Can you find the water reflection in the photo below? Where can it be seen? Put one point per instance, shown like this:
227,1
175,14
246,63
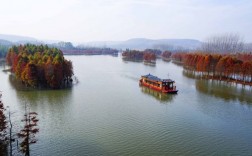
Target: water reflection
151,64
146,63
18,85
3,66
166,59
224,90
191,74
36,96
163,98
178,63
115,55
105,115
126,60
220,89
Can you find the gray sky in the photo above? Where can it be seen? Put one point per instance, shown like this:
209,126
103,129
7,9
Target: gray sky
98,20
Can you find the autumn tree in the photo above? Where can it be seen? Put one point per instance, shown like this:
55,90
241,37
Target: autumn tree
246,70
206,63
166,54
180,57
38,66
148,56
133,55
67,71
231,67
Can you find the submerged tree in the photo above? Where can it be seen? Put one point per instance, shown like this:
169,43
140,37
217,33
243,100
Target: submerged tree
27,134
231,67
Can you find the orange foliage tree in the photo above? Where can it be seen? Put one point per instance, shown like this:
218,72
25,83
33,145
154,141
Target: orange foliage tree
40,65
236,67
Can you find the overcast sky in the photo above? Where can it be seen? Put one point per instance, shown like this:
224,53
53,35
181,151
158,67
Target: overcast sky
98,20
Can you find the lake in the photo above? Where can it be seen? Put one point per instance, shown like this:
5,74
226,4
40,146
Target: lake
108,113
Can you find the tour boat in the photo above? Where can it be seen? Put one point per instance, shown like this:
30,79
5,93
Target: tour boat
162,85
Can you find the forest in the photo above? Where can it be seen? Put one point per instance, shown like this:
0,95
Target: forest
235,67
166,55
40,66
146,55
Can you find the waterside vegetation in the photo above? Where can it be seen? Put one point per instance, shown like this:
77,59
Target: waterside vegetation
148,55
40,66
227,67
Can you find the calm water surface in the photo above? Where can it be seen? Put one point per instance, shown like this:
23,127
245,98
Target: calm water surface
108,113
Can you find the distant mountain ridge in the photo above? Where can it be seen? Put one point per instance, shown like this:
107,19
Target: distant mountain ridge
16,38
5,42
134,43
143,43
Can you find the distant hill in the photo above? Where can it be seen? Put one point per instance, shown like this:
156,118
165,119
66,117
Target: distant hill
134,43
5,42
16,38
143,43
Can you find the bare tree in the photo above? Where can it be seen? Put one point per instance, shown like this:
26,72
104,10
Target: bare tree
11,135
27,134
7,136
3,127
226,43
248,47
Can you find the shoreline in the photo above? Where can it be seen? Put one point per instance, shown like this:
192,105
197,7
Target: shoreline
2,60
197,75
212,77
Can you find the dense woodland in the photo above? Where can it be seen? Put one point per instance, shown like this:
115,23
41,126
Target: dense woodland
166,55
40,66
147,55
132,55
231,67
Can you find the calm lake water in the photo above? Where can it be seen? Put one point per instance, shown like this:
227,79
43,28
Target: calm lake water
108,113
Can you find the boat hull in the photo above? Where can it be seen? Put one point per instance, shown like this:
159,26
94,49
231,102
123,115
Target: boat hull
170,91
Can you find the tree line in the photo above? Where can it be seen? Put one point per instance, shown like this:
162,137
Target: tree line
225,43
166,55
40,66
232,67
147,55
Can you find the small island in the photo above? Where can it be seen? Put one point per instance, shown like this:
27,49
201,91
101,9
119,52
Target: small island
148,56
40,66
166,55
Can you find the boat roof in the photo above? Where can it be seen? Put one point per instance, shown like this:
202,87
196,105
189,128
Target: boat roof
155,78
